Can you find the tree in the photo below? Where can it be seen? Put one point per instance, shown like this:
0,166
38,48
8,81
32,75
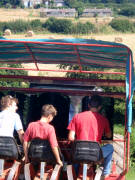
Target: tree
78,5
127,11
51,3
13,83
11,2
122,25
58,25
70,3
80,11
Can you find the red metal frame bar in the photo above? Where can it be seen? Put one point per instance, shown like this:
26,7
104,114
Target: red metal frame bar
73,92
75,71
78,58
98,82
119,140
61,43
125,137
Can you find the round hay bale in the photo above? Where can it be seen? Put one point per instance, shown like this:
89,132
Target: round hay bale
51,37
29,34
7,32
118,39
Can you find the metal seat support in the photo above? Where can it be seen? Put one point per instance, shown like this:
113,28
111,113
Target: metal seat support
56,172
42,170
1,166
27,172
69,172
13,170
84,171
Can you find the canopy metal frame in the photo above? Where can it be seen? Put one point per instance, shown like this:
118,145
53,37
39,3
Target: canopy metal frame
73,52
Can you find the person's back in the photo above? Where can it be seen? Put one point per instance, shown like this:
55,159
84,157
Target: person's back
9,119
7,123
43,130
90,125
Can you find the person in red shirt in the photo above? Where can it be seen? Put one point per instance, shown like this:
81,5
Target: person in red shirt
91,125
43,130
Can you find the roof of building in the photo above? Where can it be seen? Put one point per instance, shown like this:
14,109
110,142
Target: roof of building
57,10
58,1
98,10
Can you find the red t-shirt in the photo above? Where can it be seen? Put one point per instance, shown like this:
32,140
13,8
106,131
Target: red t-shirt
89,126
41,130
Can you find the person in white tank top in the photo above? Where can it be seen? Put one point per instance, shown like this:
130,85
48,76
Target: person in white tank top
9,119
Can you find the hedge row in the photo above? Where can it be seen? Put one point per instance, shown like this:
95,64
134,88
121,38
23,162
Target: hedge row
66,26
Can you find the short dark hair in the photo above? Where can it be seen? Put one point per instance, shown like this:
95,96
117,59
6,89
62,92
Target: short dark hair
95,101
48,109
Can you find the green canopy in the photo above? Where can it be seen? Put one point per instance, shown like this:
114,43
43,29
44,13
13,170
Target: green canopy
66,51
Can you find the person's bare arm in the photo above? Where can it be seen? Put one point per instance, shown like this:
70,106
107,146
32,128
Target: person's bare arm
108,135
21,134
71,135
25,147
57,156
108,132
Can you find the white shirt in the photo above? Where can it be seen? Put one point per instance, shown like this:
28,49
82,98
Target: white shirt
9,121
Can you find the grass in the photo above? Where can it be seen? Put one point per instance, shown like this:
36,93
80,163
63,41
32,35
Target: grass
131,174
118,129
31,14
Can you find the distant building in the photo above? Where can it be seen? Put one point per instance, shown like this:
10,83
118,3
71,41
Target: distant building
59,3
57,12
31,3
97,12
45,12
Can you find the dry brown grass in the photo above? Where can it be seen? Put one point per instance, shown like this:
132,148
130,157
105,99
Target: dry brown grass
14,14
30,14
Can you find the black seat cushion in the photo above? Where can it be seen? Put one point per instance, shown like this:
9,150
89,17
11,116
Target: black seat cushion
8,148
86,152
40,150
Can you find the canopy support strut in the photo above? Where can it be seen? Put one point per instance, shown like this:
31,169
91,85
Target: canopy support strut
32,55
